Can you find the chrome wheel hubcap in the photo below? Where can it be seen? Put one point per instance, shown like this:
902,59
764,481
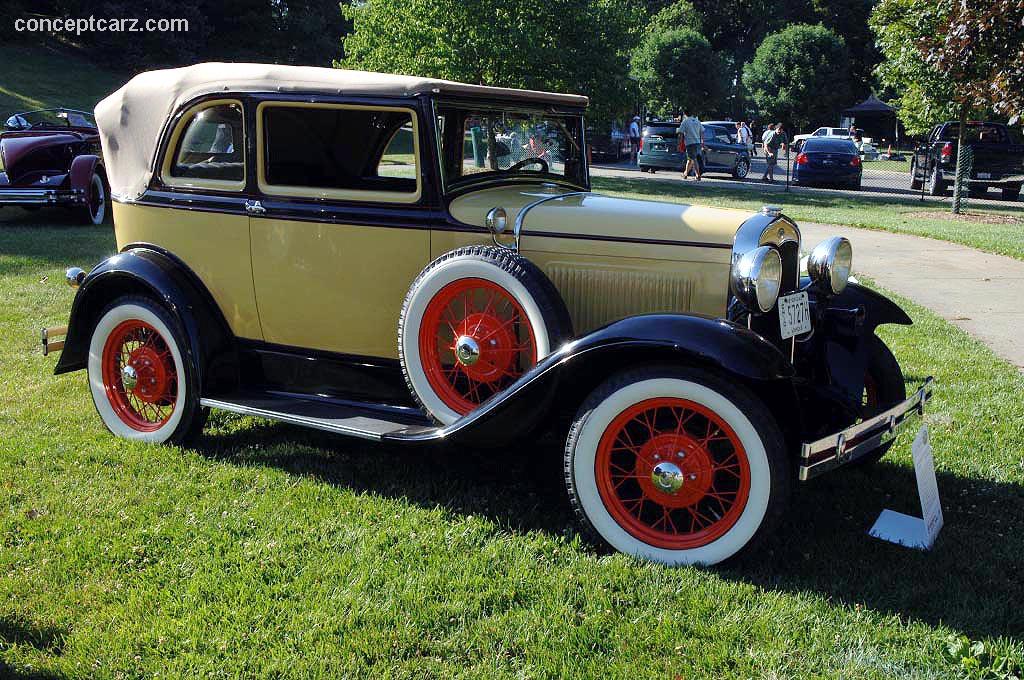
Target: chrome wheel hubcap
467,351
667,477
129,378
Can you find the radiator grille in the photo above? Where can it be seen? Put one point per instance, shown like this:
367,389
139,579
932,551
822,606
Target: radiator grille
596,296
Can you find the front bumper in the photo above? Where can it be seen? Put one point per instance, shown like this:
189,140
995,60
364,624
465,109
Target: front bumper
858,440
42,197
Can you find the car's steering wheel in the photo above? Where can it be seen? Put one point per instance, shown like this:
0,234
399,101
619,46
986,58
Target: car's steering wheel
530,161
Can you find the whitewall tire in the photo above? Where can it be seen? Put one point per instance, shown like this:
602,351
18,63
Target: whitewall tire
472,323
140,382
95,209
676,466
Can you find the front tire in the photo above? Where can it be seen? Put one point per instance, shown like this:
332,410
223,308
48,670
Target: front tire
936,186
142,386
677,466
742,169
884,387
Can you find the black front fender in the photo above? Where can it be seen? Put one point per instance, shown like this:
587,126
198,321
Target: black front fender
557,385
878,308
155,274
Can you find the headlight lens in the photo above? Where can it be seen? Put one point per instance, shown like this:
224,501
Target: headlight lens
757,278
829,264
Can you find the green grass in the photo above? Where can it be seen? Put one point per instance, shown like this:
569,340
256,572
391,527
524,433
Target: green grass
40,77
271,551
889,214
888,166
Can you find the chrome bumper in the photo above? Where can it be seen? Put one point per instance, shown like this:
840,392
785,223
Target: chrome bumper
41,196
837,449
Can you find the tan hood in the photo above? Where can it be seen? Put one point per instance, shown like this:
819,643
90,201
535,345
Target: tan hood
595,216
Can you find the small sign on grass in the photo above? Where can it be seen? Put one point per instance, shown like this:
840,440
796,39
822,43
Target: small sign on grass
915,532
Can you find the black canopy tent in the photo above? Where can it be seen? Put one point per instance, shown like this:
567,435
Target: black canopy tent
877,119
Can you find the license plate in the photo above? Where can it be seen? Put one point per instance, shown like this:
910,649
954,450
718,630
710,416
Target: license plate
794,315
984,175
658,147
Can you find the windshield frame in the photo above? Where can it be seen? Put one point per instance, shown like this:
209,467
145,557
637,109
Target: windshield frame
462,184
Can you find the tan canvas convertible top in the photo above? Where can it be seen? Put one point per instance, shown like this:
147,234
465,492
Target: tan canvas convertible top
130,119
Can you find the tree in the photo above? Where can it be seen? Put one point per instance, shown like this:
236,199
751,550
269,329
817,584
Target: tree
925,95
954,58
800,75
561,45
677,69
680,14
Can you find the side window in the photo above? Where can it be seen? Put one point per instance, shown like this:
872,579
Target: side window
347,152
209,148
820,132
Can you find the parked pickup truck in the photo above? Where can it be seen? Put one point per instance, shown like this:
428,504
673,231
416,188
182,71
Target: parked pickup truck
998,162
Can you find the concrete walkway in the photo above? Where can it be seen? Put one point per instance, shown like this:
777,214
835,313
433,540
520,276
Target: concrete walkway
981,293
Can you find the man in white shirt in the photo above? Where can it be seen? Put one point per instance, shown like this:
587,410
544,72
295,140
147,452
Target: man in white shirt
691,140
634,137
745,137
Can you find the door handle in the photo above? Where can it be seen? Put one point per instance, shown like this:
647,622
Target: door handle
255,208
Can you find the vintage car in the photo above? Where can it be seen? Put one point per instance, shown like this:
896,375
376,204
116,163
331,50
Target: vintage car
332,249
52,157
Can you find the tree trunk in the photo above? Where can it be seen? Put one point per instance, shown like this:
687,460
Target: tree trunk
961,163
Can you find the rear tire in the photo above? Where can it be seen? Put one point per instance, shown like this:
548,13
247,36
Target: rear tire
677,466
936,186
915,182
142,386
94,212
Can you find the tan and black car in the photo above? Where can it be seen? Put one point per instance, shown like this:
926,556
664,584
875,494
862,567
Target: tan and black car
421,261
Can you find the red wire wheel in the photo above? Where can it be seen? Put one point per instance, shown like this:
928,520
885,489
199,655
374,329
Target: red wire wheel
474,341
672,473
139,375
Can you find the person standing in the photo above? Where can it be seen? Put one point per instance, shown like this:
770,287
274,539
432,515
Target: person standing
768,145
634,138
691,139
745,137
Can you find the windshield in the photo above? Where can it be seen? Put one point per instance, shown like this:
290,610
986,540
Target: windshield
51,118
481,144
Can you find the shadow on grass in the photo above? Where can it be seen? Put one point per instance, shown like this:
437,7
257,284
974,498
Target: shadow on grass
970,582
46,241
18,632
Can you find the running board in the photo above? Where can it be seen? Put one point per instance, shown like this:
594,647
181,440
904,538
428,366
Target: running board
352,420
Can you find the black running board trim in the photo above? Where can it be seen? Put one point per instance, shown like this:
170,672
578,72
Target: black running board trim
348,421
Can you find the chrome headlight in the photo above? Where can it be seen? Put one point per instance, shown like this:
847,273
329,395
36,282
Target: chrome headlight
757,278
829,264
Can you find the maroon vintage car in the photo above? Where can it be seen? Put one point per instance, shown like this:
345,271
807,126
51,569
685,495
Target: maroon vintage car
52,157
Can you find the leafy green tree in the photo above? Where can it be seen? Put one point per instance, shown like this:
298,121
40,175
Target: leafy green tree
562,45
677,69
680,14
800,75
925,95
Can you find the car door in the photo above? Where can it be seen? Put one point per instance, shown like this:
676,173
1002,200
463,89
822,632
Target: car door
718,154
342,227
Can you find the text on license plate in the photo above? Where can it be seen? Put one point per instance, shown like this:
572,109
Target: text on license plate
984,175
794,315
659,147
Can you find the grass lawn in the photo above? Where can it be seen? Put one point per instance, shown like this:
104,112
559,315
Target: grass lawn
995,230
40,77
888,166
271,551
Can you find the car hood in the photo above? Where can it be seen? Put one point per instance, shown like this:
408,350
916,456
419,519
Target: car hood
590,215
25,152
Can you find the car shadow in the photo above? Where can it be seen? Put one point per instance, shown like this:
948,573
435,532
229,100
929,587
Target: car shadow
970,581
15,631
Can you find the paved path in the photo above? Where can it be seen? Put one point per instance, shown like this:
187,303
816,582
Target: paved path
981,293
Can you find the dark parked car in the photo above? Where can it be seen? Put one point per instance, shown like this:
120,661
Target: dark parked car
828,161
660,150
52,158
997,162
608,144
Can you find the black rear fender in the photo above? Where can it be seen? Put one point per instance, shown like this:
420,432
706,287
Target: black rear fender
158,275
